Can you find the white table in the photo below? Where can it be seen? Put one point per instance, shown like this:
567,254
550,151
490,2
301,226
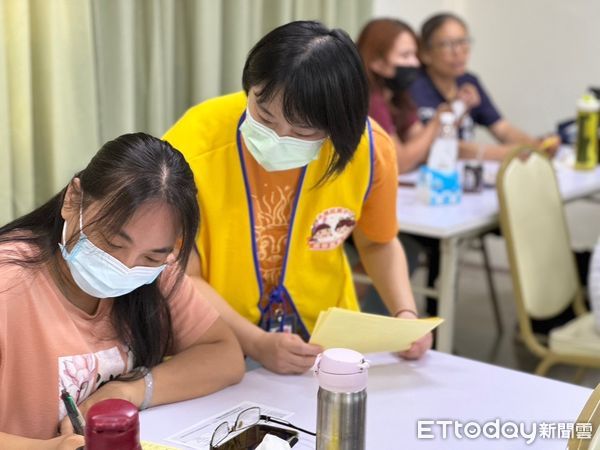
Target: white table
438,387
477,213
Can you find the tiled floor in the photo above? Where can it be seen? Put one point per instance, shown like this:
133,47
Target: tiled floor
476,336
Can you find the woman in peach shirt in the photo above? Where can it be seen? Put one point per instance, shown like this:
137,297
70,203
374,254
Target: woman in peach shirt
93,297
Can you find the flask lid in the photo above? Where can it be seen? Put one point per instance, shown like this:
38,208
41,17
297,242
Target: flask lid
342,370
111,424
342,361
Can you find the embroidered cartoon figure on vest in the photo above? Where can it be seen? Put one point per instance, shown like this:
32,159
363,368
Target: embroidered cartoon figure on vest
331,228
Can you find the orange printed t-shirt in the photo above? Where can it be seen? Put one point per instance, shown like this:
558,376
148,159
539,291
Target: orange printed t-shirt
47,343
273,194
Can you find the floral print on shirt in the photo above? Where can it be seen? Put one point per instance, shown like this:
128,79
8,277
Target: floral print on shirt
81,375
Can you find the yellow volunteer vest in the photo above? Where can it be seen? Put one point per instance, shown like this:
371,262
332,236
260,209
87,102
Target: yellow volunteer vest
316,274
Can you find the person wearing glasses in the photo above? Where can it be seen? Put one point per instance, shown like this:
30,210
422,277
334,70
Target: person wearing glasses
445,50
286,170
444,53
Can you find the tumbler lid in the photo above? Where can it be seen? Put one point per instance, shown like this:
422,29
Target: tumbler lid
342,370
342,361
112,424
112,415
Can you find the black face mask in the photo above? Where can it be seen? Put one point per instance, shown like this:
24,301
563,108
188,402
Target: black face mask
403,78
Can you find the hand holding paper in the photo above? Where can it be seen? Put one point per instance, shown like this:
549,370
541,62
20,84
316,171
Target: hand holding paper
368,333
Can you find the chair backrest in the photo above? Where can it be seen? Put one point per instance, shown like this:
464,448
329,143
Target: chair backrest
532,219
585,431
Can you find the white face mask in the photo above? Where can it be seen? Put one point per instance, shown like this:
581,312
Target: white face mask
277,153
99,274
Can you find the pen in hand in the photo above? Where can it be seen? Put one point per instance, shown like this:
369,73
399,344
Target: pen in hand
73,412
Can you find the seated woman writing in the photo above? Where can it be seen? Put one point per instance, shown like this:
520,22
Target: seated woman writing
93,296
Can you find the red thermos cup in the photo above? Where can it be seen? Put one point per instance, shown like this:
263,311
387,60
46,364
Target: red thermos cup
112,424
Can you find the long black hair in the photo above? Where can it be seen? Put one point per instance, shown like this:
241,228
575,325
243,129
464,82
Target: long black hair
125,173
321,79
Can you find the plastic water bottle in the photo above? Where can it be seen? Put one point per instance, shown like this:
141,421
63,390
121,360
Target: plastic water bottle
439,180
458,108
444,151
586,150
342,399
112,424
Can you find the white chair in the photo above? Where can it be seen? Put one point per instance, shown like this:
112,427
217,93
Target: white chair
542,265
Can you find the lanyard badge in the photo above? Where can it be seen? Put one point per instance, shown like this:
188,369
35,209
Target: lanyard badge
279,315
278,321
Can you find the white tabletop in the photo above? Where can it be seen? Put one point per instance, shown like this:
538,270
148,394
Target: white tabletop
438,387
477,210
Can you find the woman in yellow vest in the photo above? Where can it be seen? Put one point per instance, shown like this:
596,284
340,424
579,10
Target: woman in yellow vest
286,170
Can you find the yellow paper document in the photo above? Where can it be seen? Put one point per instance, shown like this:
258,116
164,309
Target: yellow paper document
368,333
152,446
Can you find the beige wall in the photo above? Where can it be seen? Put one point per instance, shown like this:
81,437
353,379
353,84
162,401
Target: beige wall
535,57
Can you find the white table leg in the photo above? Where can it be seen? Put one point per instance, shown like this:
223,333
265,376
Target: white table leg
447,290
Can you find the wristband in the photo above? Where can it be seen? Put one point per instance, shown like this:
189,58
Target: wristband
149,381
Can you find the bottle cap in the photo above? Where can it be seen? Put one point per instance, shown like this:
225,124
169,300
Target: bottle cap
588,103
112,424
342,370
458,107
342,361
447,118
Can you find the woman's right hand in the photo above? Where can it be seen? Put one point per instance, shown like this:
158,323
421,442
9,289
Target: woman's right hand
549,144
66,442
285,353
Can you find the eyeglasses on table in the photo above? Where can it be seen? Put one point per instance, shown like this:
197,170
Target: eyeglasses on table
245,419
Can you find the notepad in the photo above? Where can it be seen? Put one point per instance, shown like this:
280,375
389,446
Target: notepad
152,446
368,333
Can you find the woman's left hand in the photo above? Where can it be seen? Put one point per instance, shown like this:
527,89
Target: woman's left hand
132,391
419,347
